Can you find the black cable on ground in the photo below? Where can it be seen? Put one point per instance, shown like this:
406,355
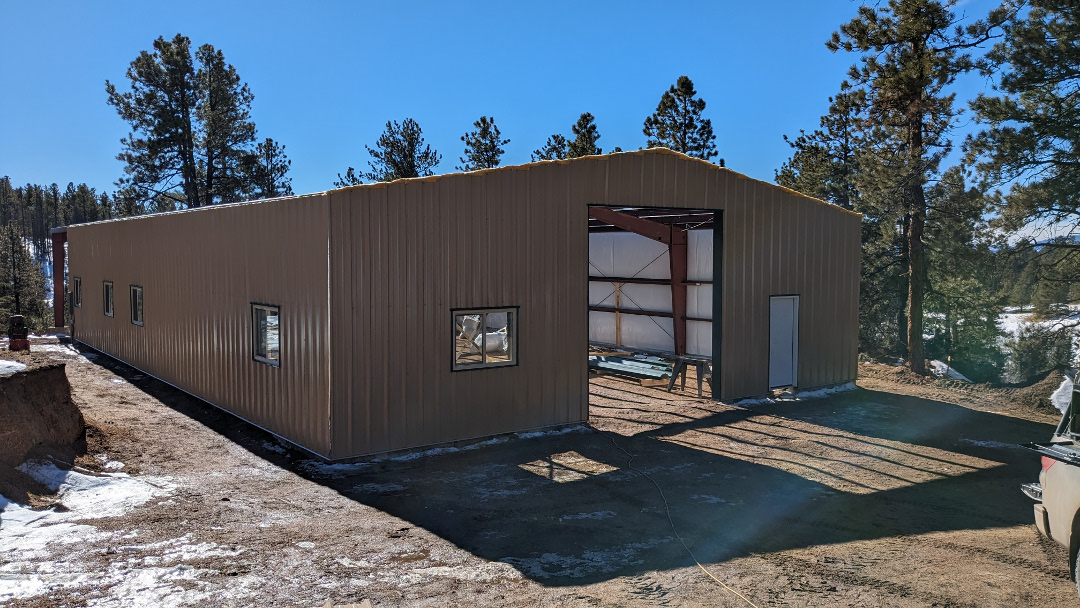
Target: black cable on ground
671,522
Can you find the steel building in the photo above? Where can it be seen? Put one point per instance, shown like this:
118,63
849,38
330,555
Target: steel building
423,311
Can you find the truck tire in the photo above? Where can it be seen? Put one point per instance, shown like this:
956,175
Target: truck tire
1076,574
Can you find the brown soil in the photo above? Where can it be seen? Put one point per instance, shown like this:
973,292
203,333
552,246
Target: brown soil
900,493
39,421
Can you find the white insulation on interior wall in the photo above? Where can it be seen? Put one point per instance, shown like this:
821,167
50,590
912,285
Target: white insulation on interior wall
628,255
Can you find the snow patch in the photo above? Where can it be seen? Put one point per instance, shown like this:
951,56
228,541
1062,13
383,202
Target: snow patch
594,515
28,536
1063,395
590,562
62,349
89,496
989,444
323,469
706,498
10,367
940,368
799,396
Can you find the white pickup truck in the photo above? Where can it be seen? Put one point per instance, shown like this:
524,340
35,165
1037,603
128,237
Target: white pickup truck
1057,510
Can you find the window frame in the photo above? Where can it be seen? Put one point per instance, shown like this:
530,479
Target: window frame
108,298
76,291
131,304
256,306
484,310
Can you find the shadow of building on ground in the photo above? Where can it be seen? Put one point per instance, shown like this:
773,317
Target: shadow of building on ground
569,509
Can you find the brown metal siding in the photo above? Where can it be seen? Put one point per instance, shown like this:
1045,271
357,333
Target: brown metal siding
403,256
776,242
200,272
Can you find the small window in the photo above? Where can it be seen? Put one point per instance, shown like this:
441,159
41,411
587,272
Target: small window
76,291
485,338
136,305
265,324
107,292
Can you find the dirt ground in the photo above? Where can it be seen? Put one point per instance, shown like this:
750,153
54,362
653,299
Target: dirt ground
898,493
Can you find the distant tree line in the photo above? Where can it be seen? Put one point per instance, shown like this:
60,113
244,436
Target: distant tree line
400,151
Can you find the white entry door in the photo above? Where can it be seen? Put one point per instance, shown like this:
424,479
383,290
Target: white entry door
783,340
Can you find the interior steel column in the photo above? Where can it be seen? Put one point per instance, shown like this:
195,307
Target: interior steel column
59,237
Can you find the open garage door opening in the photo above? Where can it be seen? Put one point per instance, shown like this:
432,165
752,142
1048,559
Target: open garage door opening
652,296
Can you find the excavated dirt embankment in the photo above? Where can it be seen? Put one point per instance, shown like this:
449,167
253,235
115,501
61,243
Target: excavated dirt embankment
38,419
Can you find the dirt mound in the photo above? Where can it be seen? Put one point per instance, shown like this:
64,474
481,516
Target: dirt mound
38,420
1037,394
1034,396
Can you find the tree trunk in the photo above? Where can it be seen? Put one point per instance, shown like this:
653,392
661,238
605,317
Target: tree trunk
916,199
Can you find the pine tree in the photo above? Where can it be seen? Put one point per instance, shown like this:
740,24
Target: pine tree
22,284
1032,134
351,178
912,50
554,149
585,137
825,162
400,153
677,123
159,153
226,132
269,170
191,128
483,147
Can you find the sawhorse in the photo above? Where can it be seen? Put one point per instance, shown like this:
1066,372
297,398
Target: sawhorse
679,370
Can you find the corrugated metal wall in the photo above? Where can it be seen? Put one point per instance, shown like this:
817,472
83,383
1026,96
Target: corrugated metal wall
401,256
776,242
405,254
200,272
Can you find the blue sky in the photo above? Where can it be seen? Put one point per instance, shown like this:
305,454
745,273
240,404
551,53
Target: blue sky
328,75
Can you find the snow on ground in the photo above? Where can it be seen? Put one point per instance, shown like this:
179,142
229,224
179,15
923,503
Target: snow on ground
940,368
63,349
1063,395
30,539
799,395
338,469
1012,319
10,367
991,444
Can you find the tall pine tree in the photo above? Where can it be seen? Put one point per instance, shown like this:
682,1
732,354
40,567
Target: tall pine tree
677,123
268,169
191,130
912,50
483,147
399,153
1031,139
585,137
553,149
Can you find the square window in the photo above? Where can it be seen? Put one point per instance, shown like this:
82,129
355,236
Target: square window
266,331
484,338
136,305
76,291
107,294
